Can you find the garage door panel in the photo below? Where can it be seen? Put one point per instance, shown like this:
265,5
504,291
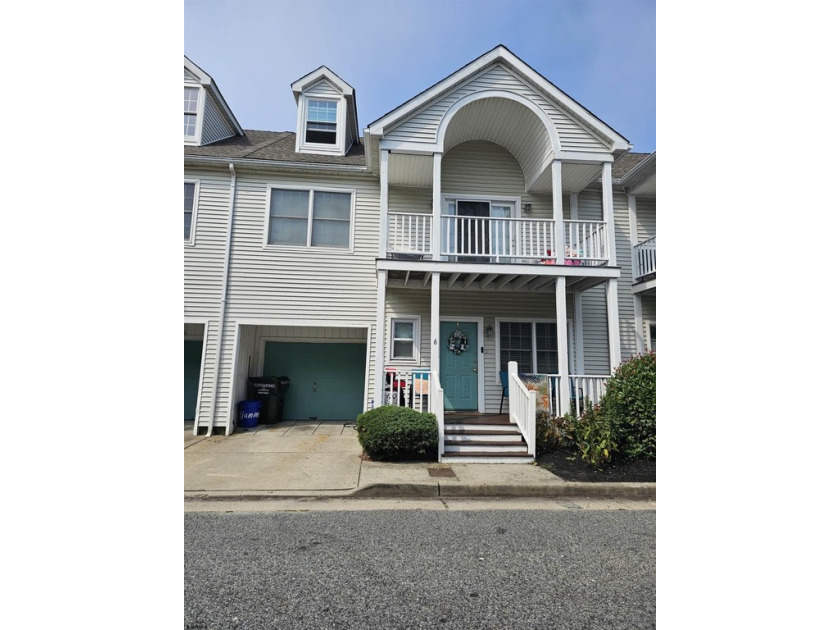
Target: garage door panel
326,379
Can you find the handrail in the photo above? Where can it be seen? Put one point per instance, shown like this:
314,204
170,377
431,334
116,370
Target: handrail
437,409
523,407
581,387
644,258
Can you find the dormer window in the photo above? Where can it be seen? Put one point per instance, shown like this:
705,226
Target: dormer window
190,111
321,122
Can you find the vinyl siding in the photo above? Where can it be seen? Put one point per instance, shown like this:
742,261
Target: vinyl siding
594,300
645,218
189,77
297,284
624,251
422,127
214,127
323,89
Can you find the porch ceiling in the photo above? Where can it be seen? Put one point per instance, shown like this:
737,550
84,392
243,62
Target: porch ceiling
490,277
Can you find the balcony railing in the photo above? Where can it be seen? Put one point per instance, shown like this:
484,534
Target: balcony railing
644,258
408,388
497,239
581,387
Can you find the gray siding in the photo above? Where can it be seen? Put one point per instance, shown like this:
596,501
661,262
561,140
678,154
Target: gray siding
215,126
645,217
595,340
624,251
422,127
189,77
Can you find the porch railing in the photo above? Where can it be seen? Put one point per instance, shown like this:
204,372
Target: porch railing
498,239
408,388
409,233
644,258
523,407
580,386
587,242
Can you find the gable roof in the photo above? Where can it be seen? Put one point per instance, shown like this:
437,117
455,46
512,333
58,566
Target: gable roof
210,85
346,90
501,54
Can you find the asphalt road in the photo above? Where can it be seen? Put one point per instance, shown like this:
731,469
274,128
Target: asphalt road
420,569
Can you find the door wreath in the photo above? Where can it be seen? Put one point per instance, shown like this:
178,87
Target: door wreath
458,342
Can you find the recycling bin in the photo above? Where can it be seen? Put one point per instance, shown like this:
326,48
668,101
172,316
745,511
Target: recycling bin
270,390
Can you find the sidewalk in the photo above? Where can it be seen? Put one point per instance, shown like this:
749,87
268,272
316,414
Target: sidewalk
324,459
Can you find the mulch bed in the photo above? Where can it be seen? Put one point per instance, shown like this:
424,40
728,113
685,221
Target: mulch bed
569,466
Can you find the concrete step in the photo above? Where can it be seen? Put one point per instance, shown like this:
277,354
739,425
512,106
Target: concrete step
476,428
485,447
486,458
474,436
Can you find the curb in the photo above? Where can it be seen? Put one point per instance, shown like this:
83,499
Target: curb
579,490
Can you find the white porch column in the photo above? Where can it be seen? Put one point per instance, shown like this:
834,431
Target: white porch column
612,323
383,203
573,207
379,356
562,344
607,208
557,204
638,325
580,365
634,235
437,224
434,342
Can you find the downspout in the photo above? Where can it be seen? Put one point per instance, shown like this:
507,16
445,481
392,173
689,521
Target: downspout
223,301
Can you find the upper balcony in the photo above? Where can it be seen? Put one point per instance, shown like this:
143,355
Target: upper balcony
644,259
500,240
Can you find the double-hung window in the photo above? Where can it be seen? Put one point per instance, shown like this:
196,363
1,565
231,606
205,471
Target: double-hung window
190,111
311,218
321,122
190,199
533,345
405,339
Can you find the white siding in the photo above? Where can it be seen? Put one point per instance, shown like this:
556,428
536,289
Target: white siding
422,127
324,89
298,284
645,217
215,126
595,340
189,77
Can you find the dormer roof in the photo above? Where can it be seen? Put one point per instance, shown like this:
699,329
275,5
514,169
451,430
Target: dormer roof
215,103
324,84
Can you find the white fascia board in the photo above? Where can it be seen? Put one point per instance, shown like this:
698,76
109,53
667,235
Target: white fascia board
618,142
209,84
387,264
581,157
322,73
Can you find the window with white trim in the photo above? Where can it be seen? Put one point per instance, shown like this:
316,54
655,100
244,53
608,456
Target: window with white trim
321,122
533,345
190,111
190,201
405,339
310,218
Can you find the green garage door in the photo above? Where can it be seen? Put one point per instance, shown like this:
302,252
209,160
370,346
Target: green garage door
327,380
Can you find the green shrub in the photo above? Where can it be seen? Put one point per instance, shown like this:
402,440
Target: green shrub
548,437
630,404
392,432
594,434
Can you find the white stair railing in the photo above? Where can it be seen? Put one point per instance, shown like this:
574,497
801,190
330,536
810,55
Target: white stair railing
523,407
437,409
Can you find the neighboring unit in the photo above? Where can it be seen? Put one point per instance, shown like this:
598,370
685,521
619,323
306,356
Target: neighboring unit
488,246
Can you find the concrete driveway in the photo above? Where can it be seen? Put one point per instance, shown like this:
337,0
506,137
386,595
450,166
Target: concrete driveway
289,456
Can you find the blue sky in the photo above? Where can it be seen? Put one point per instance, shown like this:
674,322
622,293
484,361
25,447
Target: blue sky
602,53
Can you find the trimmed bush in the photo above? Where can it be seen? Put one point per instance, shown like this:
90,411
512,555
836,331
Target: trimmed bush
629,403
391,433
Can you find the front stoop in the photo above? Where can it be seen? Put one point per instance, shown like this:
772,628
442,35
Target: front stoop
483,439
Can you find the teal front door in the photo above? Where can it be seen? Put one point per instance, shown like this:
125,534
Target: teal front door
459,372
192,370
326,380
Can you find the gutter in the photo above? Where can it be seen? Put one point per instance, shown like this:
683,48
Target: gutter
223,301
245,162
